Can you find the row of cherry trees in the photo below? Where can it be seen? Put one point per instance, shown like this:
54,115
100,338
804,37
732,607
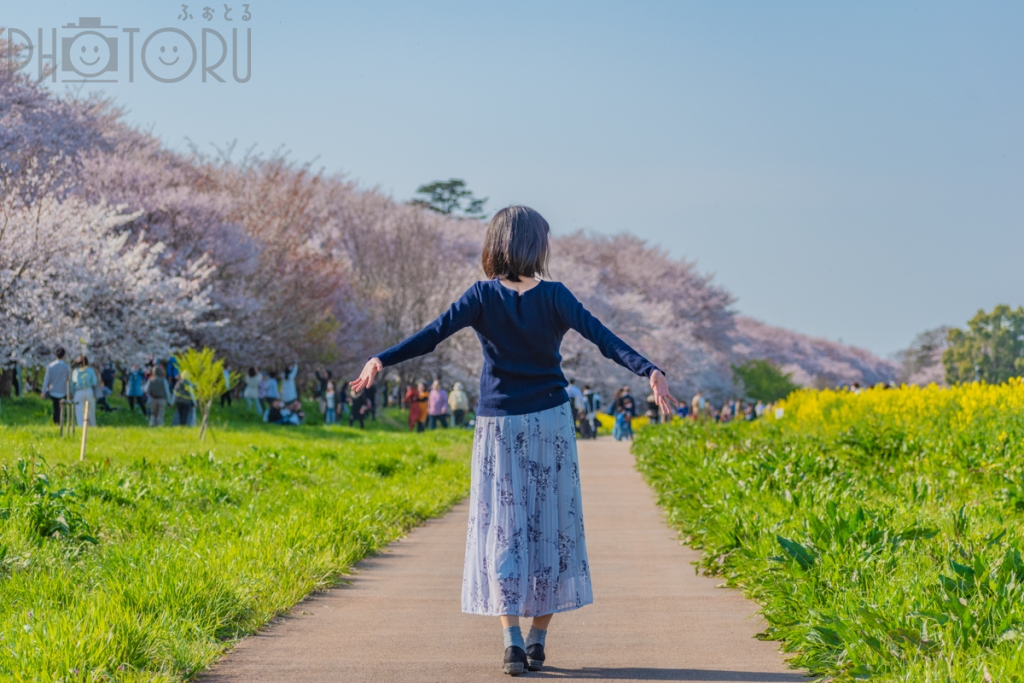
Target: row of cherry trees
111,240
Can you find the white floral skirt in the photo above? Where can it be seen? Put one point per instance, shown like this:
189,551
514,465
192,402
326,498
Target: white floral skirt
526,554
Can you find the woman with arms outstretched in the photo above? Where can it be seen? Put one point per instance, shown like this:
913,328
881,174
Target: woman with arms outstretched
526,555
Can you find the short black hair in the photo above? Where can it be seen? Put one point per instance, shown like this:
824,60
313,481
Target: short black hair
60,352
516,244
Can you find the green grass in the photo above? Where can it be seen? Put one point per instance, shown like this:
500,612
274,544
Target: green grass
878,549
145,562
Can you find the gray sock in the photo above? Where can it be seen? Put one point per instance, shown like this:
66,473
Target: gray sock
514,636
535,637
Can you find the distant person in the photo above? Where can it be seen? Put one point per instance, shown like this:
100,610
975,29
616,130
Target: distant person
322,378
106,387
575,401
458,402
184,398
651,410
328,403
57,381
293,412
84,383
758,408
359,409
697,405
225,398
591,406
422,398
288,391
339,401
270,390
371,399
109,375
251,392
437,406
275,413
172,371
626,404
158,390
135,382
412,402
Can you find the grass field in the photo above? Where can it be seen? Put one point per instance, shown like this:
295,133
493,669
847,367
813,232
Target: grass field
145,562
881,532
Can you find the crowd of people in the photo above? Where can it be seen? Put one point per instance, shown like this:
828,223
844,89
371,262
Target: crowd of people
153,389
431,409
158,389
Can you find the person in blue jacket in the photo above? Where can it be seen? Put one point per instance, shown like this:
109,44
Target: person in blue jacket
526,554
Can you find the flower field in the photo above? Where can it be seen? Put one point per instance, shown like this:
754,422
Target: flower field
881,532
147,561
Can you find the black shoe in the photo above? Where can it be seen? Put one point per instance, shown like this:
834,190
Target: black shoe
535,657
515,660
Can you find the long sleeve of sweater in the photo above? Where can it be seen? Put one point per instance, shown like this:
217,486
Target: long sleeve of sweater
461,314
575,316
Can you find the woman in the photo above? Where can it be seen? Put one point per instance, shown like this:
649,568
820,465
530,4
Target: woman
526,552
458,401
289,394
83,383
437,406
251,393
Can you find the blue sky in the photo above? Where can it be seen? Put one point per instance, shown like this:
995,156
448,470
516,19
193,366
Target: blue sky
848,170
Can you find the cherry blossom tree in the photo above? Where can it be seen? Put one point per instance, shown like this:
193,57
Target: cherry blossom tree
68,277
108,236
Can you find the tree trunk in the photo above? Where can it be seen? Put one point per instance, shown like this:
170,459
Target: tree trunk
6,382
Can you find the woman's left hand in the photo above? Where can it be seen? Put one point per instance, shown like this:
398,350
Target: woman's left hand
662,396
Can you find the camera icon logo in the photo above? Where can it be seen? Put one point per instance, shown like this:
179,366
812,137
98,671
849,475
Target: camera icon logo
89,53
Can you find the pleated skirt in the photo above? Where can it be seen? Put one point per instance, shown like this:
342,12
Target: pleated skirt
526,553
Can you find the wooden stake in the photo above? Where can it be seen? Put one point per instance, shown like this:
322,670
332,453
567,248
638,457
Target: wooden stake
85,428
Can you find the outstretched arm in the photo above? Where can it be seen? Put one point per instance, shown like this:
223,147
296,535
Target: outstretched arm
461,314
583,321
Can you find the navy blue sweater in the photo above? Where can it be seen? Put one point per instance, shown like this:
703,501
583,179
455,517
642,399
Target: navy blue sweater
520,335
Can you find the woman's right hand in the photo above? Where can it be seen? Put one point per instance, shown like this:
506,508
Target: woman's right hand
366,377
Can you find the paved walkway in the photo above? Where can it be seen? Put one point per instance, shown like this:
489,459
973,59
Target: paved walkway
399,620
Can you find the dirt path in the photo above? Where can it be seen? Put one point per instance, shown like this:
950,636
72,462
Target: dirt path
652,619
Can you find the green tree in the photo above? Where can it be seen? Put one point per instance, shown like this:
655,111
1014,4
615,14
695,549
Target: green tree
991,349
763,380
449,197
206,373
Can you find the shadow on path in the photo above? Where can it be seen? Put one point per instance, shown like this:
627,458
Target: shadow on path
652,674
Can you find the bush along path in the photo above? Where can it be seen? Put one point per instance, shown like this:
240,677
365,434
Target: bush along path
881,533
147,570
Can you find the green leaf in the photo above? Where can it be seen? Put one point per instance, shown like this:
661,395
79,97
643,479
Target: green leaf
804,557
